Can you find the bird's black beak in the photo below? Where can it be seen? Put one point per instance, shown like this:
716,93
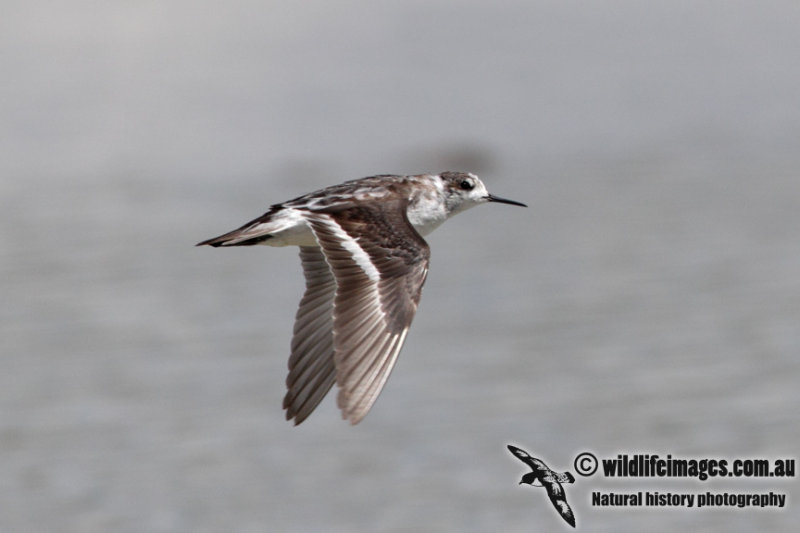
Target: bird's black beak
499,200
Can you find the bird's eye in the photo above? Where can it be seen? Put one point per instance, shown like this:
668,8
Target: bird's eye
466,185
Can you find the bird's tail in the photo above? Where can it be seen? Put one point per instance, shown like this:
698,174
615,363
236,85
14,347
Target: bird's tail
254,232
566,477
238,237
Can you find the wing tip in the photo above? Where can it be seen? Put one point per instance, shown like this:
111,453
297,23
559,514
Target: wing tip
352,414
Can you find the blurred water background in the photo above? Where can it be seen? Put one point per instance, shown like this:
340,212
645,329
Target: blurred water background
647,301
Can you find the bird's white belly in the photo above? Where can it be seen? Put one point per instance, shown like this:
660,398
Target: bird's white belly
300,235
290,228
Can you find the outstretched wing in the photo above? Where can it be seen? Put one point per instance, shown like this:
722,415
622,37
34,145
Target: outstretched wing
556,493
536,464
380,263
311,365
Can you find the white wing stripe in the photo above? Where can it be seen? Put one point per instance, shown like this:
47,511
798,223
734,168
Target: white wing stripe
350,244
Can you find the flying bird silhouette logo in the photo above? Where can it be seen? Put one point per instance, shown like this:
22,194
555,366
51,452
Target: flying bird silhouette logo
542,476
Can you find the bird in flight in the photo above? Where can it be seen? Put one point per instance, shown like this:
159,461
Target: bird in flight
365,261
542,476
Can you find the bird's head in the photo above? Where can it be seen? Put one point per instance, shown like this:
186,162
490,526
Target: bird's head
530,479
463,190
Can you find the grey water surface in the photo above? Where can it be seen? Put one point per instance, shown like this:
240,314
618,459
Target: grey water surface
648,300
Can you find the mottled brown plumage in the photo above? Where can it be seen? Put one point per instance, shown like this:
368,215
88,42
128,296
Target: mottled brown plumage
365,261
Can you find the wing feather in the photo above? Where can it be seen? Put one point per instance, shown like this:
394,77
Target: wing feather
556,493
379,263
312,370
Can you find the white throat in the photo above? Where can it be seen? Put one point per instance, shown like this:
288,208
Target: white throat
427,214
428,210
